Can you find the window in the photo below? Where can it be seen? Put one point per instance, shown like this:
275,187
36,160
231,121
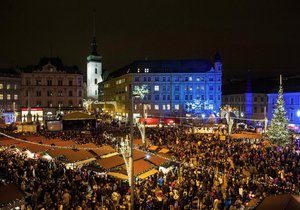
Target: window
211,79
38,103
60,83
49,103
38,93
156,88
49,93
261,99
1,85
168,107
176,106
191,97
38,82
80,93
164,79
255,99
292,116
164,97
70,93
96,71
176,79
49,82
146,70
136,79
16,97
60,93
292,101
190,79
96,92
164,107
176,88
255,109
211,97
186,79
149,79
156,97
149,97
8,86
70,102
60,104
168,97
79,82
156,107
164,88
198,79
15,86
176,97
211,88
219,87
95,81
70,82
26,93
262,110
28,82
8,97
186,97
156,79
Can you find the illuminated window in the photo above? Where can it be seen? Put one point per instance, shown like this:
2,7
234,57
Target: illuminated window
1,86
8,97
164,107
146,70
177,106
156,107
156,88
15,86
15,97
190,79
211,106
49,93
8,86
60,93
168,107
38,82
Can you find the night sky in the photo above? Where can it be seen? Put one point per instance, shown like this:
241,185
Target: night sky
263,36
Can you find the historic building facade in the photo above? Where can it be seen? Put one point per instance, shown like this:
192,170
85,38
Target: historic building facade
51,86
175,86
10,86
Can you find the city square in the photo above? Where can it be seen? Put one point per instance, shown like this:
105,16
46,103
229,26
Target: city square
85,125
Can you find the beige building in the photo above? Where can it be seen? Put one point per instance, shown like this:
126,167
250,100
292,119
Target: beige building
51,86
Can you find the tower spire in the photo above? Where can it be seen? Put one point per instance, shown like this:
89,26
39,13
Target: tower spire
94,43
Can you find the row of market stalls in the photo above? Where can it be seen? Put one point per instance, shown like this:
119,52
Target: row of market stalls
104,159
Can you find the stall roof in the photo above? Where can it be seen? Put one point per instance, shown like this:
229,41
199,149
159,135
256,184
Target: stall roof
280,202
156,160
104,150
111,162
140,166
10,193
70,154
148,173
78,116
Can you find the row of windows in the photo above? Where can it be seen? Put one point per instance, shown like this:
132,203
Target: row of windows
8,86
50,82
242,99
177,97
186,88
160,107
52,104
175,79
9,96
38,93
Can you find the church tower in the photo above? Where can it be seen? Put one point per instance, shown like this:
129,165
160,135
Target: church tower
94,70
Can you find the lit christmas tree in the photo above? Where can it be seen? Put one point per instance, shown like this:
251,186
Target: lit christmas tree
278,132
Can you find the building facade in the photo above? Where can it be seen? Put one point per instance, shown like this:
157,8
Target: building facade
51,86
10,86
94,72
174,87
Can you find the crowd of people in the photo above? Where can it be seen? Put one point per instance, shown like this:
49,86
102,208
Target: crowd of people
209,174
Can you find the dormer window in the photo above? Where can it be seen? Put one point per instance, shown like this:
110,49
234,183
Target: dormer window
146,70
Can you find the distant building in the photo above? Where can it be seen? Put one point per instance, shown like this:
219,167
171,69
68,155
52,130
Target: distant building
94,71
10,86
173,85
249,100
52,86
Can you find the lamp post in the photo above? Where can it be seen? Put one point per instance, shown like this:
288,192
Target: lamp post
131,162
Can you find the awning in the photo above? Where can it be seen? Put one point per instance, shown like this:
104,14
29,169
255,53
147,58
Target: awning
148,173
164,150
118,175
153,148
78,116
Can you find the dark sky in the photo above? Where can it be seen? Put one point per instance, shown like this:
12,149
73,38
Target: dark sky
263,36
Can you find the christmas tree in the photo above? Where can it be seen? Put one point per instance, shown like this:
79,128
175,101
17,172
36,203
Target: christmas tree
278,132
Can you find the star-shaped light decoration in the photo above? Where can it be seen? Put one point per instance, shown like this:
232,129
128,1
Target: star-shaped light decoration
140,91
